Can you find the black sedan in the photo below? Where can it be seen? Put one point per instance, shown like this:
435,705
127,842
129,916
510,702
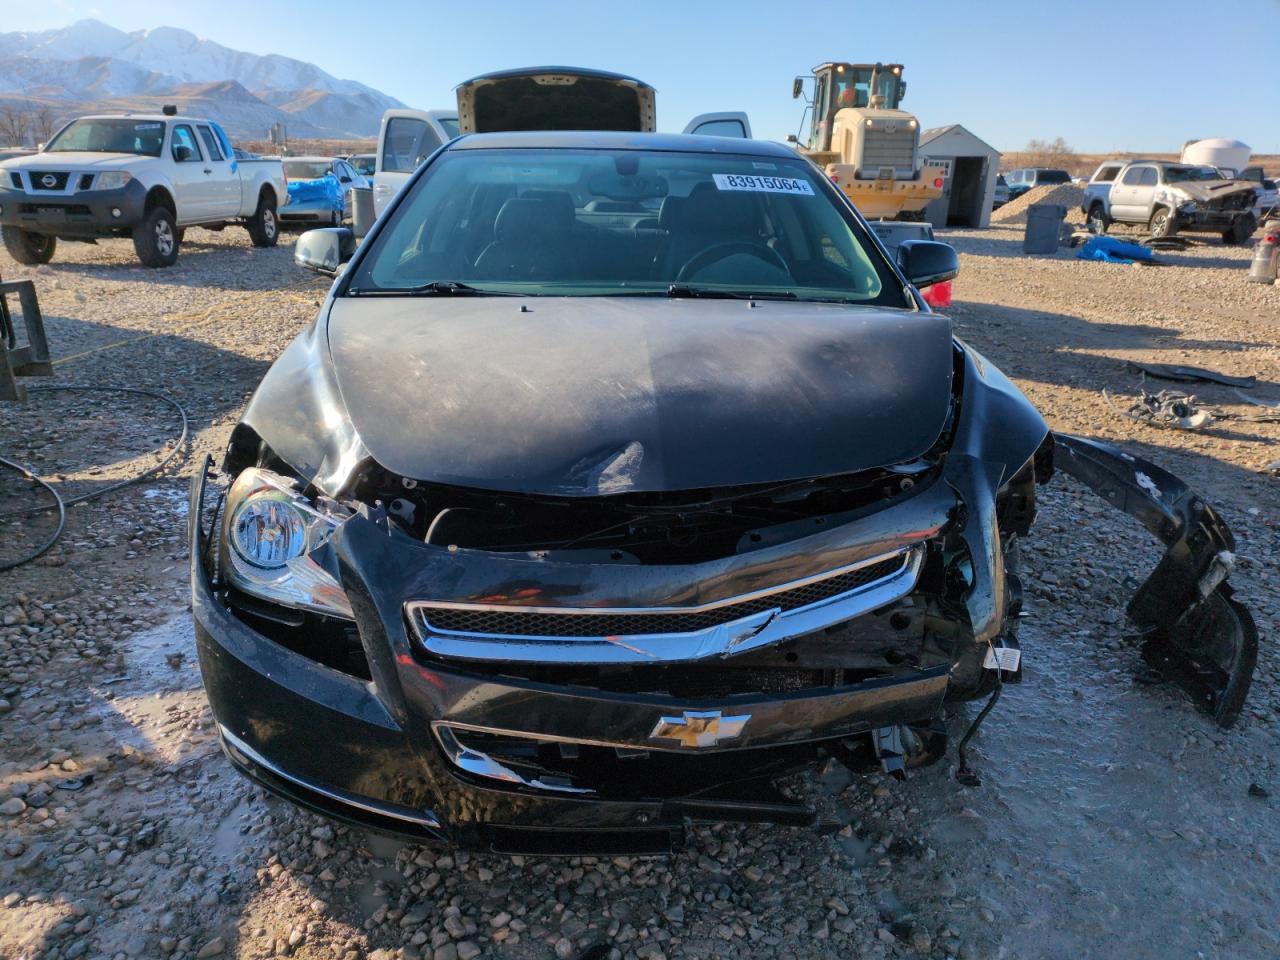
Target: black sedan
620,475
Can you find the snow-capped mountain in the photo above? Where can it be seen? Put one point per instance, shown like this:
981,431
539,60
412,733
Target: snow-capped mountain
80,66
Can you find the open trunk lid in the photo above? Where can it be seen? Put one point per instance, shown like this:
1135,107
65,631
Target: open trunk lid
555,98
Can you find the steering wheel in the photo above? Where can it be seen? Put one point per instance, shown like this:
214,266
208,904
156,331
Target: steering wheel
720,251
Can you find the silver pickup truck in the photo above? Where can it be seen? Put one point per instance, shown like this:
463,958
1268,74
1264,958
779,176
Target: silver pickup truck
130,175
1168,198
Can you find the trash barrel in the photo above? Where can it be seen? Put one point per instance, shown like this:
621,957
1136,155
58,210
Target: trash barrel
1044,221
362,215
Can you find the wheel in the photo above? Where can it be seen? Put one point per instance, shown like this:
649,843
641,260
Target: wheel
155,238
27,247
1162,223
1241,230
264,228
1098,219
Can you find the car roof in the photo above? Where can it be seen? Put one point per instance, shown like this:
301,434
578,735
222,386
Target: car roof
619,140
158,117
311,159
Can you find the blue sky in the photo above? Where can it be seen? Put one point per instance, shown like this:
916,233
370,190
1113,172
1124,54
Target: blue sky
1078,69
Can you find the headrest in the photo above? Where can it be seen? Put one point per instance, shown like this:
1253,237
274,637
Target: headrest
722,211
522,217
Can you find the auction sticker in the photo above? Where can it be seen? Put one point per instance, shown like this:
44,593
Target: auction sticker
741,181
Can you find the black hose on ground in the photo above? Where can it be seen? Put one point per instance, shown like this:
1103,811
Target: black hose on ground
966,775
59,502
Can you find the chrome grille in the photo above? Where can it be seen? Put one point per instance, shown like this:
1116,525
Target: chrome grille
884,149
579,622
37,177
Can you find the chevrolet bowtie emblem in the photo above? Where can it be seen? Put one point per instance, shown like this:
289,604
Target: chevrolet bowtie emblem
699,728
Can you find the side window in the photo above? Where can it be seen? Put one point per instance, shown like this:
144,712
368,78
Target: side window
1107,174
1149,177
223,139
429,144
344,172
184,148
721,128
400,150
1132,177
210,143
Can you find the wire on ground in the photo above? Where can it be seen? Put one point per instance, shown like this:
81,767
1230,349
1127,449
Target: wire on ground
61,503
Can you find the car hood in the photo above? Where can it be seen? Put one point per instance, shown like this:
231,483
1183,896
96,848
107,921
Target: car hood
1204,190
582,396
77,159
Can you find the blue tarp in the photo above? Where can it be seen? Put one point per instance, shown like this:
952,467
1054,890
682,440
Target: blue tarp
1111,250
326,190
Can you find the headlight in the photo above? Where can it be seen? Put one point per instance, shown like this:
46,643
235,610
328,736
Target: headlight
274,544
113,179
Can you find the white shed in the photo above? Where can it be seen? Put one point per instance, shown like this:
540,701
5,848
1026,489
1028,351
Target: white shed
972,166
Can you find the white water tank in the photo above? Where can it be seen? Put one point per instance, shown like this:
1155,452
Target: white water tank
1217,152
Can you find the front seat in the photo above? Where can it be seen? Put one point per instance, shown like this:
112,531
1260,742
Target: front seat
532,240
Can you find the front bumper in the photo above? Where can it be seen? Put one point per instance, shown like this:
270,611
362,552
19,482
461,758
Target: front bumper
406,752
85,213
1214,221
311,209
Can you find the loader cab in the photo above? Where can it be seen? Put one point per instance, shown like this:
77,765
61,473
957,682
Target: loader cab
837,86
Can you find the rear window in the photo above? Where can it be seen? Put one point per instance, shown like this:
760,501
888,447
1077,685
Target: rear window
306,169
626,223
1053,176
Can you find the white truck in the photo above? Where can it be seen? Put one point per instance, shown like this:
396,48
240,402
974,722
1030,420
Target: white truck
527,98
148,177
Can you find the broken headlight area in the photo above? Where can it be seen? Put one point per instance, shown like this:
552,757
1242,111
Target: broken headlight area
277,565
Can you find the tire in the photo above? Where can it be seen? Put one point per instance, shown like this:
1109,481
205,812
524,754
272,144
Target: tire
1162,223
1241,230
264,225
27,247
155,238
1097,220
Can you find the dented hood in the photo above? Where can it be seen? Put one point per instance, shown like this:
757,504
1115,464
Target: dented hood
585,396
1205,190
555,98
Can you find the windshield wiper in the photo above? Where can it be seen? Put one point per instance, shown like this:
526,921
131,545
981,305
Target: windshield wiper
447,288
681,290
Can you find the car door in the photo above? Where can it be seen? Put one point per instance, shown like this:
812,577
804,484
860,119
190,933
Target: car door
223,181
1124,195
191,185
405,139
1145,193
348,180
734,124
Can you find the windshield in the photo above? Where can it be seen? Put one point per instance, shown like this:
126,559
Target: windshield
450,125
307,169
851,87
364,164
1183,174
1052,176
143,137
602,222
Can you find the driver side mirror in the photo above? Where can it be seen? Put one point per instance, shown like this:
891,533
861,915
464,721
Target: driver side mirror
325,251
925,262
797,88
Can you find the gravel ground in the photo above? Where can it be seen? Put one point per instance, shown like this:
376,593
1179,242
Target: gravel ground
1111,821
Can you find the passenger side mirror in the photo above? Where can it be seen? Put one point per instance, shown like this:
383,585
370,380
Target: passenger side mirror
182,153
325,251
344,179
923,262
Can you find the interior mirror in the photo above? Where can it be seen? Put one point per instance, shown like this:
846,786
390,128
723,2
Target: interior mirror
797,88
923,262
182,153
325,251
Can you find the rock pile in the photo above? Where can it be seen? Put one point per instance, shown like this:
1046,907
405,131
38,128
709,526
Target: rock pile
1015,211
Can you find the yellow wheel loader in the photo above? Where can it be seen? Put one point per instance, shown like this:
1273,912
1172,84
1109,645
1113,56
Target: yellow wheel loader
865,144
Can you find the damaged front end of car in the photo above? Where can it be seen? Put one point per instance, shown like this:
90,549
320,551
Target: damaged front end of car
540,673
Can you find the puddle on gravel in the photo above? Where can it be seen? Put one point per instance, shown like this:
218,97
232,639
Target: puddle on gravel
228,837
175,498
